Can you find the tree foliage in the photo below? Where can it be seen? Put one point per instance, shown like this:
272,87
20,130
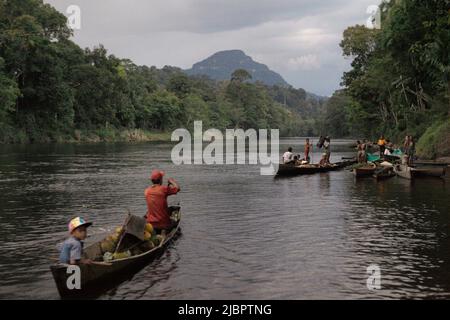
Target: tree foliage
399,80
50,87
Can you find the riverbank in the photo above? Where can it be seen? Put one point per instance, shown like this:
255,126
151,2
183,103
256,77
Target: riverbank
83,136
435,142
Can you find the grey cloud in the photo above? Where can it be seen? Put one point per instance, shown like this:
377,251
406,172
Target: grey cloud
198,16
297,38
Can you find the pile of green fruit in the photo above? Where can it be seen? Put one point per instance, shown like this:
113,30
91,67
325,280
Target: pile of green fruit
109,244
151,240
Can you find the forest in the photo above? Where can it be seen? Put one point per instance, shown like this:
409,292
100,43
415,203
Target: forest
399,79
51,90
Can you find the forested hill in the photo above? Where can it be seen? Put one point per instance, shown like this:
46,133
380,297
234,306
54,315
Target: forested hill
222,64
399,83
52,90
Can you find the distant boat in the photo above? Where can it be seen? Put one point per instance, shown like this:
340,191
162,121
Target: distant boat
429,172
407,172
384,173
365,171
294,170
403,171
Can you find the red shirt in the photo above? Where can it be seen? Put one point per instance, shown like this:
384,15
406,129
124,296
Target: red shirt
157,211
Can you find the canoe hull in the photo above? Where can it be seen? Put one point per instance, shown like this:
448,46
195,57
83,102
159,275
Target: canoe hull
406,172
292,170
429,172
384,174
403,171
364,171
96,279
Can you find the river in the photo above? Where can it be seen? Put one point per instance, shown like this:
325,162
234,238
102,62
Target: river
244,236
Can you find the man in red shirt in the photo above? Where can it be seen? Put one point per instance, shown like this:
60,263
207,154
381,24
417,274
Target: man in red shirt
157,210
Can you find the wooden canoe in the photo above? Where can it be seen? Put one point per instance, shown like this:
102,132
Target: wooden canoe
403,171
384,173
407,172
294,170
365,171
432,163
96,279
429,172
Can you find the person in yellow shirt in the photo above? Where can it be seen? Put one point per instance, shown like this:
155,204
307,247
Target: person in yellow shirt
382,145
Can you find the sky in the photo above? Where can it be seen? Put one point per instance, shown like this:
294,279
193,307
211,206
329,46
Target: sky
297,38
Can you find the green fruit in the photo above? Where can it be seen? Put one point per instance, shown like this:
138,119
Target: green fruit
107,246
121,255
147,235
149,228
115,237
155,240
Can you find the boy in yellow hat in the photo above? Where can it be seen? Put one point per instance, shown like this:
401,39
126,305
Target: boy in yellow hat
72,248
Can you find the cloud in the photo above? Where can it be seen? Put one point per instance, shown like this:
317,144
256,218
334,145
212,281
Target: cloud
305,62
297,38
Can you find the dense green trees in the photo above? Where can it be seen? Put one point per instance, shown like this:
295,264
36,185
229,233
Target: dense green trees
399,81
9,93
50,88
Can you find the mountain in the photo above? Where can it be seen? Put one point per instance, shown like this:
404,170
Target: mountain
222,64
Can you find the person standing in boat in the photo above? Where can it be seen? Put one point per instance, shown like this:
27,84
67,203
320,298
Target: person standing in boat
411,150
382,146
361,156
406,144
158,214
308,147
365,148
327,147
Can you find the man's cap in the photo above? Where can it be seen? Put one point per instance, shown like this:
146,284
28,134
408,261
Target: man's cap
157,175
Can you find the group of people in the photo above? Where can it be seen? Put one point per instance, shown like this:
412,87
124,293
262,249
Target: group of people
324,143
386,148
157,215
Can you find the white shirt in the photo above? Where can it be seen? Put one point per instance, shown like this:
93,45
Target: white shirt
287,156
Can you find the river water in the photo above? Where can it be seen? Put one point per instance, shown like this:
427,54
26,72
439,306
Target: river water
244,236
